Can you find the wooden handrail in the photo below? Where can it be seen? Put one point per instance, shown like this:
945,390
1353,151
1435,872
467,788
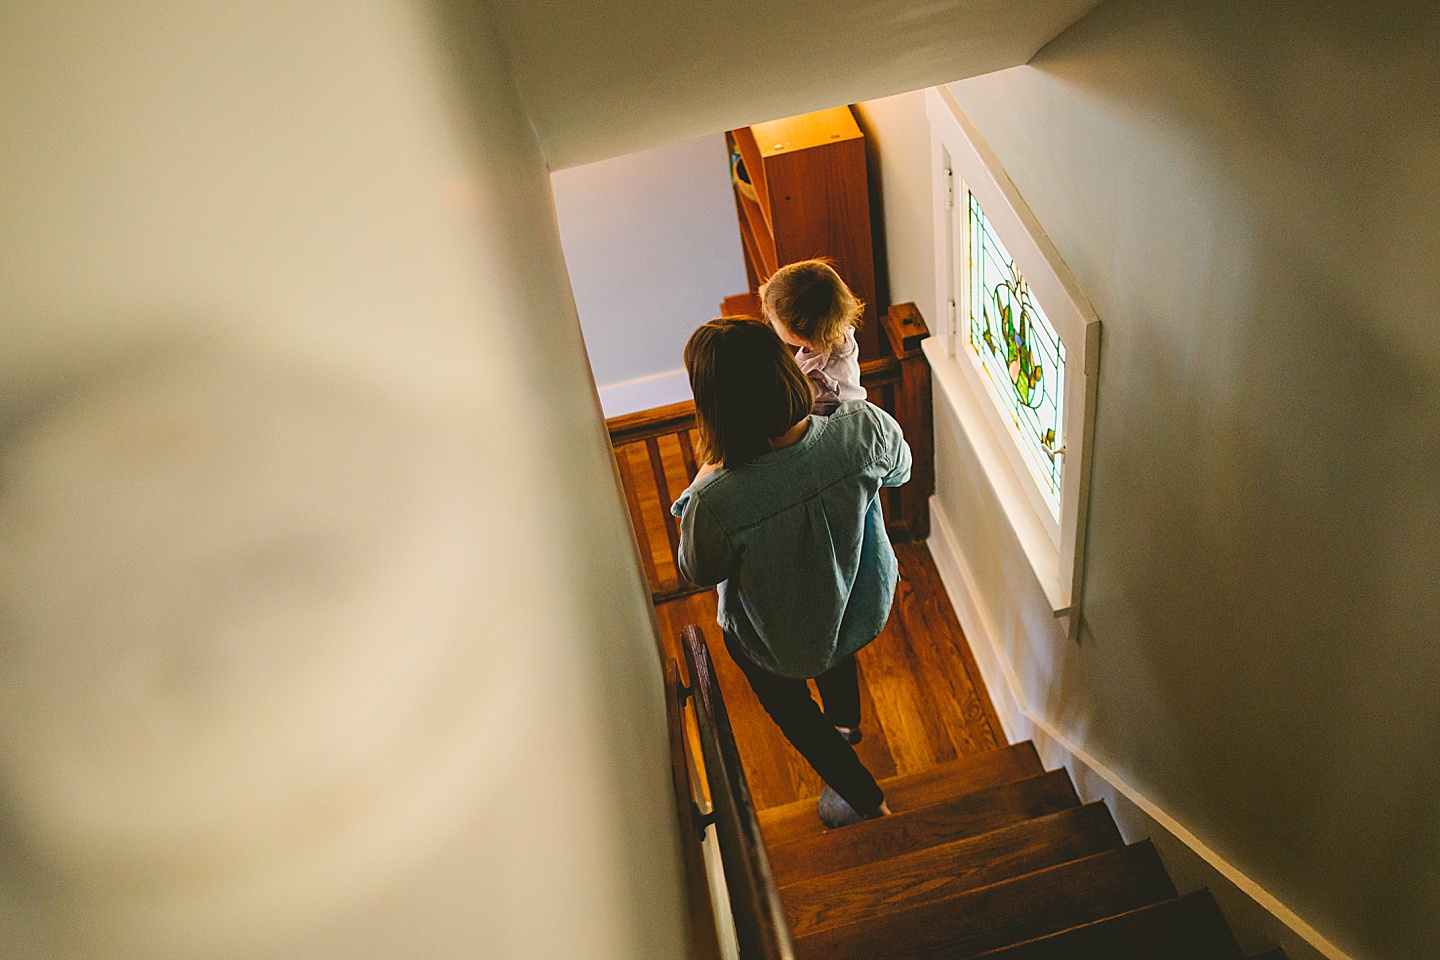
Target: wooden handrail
761,929
659,421
656,422
704,937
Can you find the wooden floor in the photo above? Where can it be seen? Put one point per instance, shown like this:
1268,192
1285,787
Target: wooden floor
922,700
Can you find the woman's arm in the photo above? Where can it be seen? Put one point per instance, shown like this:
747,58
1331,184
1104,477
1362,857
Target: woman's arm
706,555
897,450
900,466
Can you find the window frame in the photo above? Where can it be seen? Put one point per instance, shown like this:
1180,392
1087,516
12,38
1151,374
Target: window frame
963,164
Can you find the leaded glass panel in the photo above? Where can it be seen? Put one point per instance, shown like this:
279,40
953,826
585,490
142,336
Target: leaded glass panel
1018,350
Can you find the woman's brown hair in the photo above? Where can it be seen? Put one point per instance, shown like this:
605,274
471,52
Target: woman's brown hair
809,299
748,389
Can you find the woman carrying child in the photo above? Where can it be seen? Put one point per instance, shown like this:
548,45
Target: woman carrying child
785,518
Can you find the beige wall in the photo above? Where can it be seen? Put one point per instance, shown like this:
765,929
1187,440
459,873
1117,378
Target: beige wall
600,80
1250,196
295,418
321,634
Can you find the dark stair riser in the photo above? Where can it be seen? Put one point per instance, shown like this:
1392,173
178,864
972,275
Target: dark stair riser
1001,914
1188,928
948,869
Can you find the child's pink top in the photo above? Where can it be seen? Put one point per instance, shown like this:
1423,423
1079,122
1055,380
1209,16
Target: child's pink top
834,376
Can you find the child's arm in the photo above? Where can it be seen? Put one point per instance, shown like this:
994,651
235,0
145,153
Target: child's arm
844,368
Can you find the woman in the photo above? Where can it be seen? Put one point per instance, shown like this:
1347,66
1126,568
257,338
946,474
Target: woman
785,517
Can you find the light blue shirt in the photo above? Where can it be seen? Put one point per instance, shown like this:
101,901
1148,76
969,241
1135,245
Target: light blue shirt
797,543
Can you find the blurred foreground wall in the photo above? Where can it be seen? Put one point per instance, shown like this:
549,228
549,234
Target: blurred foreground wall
313,642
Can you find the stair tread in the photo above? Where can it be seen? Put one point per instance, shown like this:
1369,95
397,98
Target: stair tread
1000,914
967,815
1184,928
945,869
909,791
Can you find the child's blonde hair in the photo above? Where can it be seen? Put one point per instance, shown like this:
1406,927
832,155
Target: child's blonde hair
809,299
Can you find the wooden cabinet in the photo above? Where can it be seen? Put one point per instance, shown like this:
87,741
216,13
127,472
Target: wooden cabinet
808,196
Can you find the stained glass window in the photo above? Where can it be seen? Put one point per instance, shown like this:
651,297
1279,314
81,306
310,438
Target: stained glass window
1018,350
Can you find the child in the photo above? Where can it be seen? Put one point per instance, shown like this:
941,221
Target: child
786,519
810,307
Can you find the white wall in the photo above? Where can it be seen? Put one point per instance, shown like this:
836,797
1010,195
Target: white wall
652,246
321,631
600,80
897,142
1250,196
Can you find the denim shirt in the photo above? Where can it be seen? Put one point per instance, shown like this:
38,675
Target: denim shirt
797,543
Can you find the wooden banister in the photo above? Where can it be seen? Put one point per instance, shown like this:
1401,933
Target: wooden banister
687,454
761,928
704,939
909,517
675,417
656,422
662,487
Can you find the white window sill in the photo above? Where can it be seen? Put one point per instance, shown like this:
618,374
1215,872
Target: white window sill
1019,508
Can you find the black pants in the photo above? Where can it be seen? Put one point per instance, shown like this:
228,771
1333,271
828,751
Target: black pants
811,730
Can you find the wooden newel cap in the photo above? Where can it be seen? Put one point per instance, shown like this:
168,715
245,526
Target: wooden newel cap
905,328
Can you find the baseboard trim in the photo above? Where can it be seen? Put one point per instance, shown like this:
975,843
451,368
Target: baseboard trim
1260,920
643,393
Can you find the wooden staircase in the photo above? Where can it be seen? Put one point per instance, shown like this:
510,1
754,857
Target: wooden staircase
986,856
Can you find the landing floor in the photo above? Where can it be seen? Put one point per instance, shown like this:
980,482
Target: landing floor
922,699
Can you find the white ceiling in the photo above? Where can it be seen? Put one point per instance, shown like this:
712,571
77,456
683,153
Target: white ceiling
600,78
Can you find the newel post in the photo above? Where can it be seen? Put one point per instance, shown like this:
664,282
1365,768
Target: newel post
910,515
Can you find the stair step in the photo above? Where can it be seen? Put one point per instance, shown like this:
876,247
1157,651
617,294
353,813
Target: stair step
1276,954
920,789
959,817
1027,907
1187,928
950,868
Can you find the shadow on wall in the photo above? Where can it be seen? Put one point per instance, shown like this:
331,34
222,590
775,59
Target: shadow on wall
1250,195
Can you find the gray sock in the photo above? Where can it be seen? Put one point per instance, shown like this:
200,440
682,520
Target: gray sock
835,812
